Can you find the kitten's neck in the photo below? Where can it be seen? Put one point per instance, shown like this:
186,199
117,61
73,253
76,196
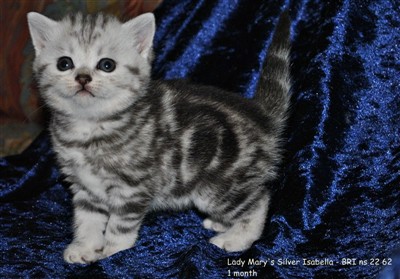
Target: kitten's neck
99,122
86,129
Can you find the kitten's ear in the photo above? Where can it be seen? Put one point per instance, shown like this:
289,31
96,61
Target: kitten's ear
41,29
143,28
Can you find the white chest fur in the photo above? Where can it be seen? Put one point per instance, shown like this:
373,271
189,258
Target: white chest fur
95,180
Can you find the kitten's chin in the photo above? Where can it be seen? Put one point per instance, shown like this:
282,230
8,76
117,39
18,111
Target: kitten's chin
87,106
87,103
84,93
84,99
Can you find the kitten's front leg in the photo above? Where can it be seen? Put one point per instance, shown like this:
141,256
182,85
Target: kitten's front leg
90,220
123,226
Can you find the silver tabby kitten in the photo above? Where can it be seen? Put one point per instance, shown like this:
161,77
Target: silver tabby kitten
129,144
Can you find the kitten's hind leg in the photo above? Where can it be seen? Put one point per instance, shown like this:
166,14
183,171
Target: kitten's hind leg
90,219
245,230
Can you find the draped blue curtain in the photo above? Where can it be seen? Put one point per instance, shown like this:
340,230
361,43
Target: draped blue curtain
337,198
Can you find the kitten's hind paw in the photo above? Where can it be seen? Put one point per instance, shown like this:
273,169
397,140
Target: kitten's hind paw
77,253
230,243
215,226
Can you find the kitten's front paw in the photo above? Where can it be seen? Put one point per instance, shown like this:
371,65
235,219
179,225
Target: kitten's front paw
78,253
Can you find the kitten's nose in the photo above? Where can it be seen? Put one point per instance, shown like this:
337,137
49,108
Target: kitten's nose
83,79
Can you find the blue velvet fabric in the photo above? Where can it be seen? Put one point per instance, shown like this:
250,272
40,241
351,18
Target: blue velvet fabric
337,197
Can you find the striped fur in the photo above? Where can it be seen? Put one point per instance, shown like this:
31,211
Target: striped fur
133,145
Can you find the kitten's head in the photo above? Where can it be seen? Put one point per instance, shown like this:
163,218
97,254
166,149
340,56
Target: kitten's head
91,66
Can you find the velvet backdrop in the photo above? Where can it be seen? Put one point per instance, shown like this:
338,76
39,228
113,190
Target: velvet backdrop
337,196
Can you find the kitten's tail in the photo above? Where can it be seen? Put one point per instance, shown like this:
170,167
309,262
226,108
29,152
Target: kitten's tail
273,89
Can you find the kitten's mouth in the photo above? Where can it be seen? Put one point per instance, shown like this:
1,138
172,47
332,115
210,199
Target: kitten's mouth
84,91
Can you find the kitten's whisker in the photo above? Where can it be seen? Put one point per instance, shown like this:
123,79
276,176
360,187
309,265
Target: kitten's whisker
28,117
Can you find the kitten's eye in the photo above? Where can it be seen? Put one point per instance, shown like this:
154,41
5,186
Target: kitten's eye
65,63
106,65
